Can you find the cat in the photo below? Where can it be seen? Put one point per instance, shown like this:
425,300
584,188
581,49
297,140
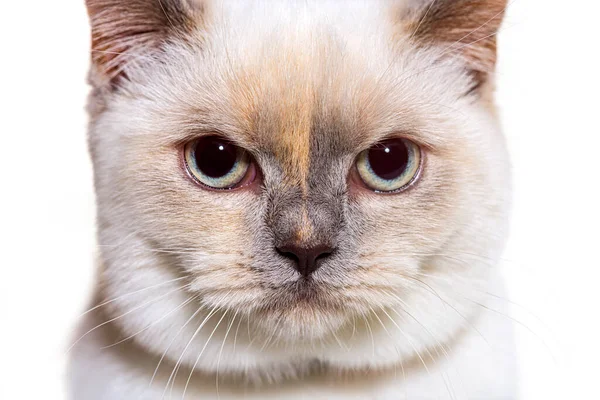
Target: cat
296,199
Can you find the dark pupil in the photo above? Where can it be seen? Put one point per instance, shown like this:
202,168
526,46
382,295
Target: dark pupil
389,159
215,157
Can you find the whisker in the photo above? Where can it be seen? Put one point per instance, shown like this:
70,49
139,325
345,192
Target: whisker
236,334
444,302
339,342
487,261
482,25
166,15
171,249
495,296
395,347
405,308
353,327
456,50
221,352
365,318
527,310
416,351
248,327
179,307
409,341
273,333
200,355
123,315
173,341
109,52
439,345
492,260
177,364
516,321
422,19
130,294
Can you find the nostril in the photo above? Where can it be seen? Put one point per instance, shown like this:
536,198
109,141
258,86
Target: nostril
323,253
306,259
288,254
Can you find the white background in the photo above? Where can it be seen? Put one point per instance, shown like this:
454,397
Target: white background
549,98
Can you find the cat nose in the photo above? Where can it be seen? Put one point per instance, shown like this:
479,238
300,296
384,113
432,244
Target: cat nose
306,259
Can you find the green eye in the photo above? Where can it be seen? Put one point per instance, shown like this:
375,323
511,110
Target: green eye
217,163
389,166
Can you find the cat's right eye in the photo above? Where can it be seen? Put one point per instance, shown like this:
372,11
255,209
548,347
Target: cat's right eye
219,164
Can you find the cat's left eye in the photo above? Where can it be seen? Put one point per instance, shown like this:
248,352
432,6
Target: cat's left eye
390,166
219,164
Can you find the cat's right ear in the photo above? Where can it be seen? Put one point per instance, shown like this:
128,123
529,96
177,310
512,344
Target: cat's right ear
125,30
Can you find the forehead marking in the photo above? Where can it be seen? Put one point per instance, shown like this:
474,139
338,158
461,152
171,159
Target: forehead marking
294,136
276,95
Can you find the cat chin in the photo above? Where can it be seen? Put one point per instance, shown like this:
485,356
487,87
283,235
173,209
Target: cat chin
301,325
282,347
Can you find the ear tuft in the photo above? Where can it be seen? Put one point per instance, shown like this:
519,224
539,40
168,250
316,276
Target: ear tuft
124,29
463,28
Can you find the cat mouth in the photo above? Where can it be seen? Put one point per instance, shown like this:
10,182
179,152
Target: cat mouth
306,289
305,293
302,310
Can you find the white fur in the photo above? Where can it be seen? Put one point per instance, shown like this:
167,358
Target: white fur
432,349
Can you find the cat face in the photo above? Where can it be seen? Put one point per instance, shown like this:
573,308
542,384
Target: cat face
314,172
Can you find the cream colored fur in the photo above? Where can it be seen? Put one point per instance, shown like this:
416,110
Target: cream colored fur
415,321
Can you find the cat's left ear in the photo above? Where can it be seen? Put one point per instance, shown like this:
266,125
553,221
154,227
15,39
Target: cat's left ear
466,29
125,30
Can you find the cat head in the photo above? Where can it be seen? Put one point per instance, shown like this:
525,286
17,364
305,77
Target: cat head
318,172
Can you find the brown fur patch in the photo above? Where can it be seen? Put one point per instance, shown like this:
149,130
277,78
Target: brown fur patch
275,99
294,146
467,27
123,29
